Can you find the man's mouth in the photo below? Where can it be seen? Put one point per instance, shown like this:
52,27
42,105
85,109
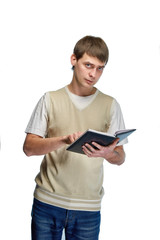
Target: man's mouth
89,81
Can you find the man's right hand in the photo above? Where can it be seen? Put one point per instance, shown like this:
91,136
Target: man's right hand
72,137
36,145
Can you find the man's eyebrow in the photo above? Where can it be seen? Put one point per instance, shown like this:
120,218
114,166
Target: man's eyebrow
88,62
102,66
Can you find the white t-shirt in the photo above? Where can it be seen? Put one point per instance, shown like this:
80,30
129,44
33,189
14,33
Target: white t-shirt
39,118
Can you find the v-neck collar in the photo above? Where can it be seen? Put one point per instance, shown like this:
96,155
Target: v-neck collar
81,102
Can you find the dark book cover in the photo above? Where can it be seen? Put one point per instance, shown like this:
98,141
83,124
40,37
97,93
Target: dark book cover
101,138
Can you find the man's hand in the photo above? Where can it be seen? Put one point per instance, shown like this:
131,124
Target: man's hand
36,145
72,137
112,153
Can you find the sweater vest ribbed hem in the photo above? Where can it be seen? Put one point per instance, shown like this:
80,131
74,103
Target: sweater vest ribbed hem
65,202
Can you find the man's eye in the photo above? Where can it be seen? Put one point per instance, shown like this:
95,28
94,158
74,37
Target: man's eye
100,68
88,65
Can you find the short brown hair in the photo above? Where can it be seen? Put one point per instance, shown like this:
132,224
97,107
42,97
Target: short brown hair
93,46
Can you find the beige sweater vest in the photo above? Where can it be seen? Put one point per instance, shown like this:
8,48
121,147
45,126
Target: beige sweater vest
66,179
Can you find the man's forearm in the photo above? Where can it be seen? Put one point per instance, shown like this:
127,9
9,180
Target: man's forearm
35,145
117,156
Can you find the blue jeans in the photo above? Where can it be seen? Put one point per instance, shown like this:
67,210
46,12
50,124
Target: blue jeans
48,223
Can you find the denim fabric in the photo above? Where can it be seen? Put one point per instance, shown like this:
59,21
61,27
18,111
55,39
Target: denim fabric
48,223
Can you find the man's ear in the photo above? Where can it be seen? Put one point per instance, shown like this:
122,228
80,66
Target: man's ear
73,60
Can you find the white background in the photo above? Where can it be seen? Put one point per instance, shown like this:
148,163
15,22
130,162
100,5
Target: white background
37,39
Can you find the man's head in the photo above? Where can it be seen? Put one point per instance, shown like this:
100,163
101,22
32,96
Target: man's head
92,46
88,61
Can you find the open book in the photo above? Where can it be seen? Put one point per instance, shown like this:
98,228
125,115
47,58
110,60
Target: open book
101,138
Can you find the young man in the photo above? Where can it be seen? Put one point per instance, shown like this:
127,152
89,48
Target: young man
69,188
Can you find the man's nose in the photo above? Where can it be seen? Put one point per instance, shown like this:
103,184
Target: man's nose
92,72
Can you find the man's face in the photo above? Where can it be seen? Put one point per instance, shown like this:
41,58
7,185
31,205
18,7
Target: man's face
87,70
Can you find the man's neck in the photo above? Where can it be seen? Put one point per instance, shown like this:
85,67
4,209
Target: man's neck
81,91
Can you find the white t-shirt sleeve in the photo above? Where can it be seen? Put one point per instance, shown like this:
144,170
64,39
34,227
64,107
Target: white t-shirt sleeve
117,121
39,119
